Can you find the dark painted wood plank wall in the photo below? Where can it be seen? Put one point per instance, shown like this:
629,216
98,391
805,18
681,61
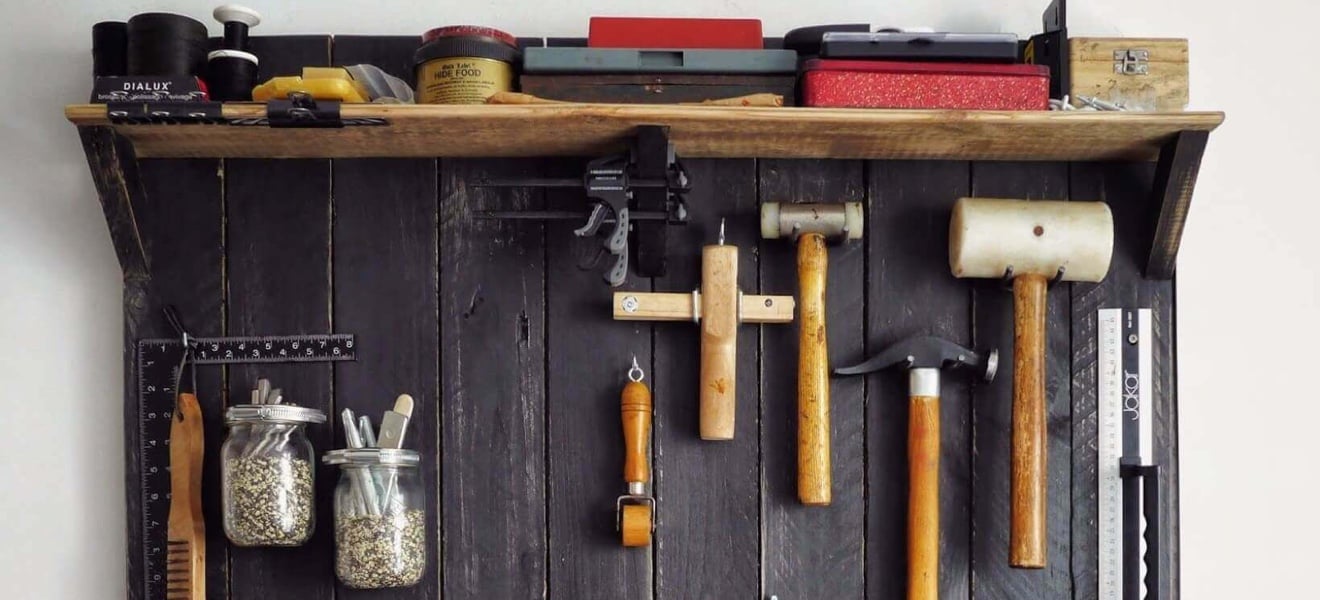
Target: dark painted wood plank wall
509,348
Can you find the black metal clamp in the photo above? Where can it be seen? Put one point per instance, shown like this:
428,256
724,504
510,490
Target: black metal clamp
302,110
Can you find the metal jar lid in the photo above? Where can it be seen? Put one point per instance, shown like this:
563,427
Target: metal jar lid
283,413
370,457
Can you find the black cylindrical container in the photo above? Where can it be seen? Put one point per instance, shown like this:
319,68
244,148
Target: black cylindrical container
110,49
230,75
166,44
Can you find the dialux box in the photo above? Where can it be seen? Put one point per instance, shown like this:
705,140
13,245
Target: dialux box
886,84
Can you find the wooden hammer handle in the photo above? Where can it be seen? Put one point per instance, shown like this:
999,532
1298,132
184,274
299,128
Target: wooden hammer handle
1027,532
923,497
636,411
813,374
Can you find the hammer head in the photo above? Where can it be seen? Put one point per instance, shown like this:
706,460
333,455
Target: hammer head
836,221
928,352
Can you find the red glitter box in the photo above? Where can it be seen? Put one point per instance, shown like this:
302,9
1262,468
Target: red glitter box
881,84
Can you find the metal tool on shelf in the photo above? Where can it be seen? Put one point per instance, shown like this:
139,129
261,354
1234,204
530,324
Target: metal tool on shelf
925,357
645,184
635,511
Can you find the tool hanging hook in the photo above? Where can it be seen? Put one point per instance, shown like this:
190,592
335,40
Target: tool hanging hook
635,374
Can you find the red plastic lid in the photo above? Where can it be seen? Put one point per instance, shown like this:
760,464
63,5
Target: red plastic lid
886,66
503,37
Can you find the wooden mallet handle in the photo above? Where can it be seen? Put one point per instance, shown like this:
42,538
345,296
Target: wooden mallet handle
636,411
719,341
923,497
1027,533
813,374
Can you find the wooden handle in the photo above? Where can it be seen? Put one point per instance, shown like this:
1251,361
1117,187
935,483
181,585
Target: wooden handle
813,374
1027,534
636,409
719,341
923,498
186,534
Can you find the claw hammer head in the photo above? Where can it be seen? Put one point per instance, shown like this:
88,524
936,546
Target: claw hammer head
928,352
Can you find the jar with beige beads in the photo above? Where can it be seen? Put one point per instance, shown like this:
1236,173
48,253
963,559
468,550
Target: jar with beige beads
380,518
267,475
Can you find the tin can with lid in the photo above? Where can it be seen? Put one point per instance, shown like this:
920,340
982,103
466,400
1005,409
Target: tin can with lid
268,475
464,65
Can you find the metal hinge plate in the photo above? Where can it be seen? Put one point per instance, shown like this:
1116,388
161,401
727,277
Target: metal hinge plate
1135,61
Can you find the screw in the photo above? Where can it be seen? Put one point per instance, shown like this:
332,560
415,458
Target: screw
769,302
1132,338
630,304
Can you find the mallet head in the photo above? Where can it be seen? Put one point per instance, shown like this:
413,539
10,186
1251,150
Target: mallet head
837,221
928,352
988,236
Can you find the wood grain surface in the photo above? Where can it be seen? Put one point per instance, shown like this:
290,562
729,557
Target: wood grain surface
813,373
923,520
697,131
1027,536
719,341
517,364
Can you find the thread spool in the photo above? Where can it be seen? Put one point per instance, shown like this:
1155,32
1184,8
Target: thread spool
165,44
232,71
110,49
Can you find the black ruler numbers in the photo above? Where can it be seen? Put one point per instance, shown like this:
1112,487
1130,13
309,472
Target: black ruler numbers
158,365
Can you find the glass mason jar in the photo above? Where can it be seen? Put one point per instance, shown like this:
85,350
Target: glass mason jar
380,518
268,474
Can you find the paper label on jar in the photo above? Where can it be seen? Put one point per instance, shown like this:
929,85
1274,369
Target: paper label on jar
462,80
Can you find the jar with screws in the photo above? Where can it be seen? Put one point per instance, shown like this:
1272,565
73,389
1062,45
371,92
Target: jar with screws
380,518
267,475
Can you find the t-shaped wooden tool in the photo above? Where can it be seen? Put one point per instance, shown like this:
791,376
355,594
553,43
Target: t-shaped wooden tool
718,307
1030,243
811,225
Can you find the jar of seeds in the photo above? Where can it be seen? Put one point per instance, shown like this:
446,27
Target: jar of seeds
380,518
267,475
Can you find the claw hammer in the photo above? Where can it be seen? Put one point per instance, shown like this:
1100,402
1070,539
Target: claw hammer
811,226
924,357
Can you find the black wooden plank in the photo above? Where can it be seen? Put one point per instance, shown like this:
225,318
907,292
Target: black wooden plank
279,283
1124,187
492,323
588,355
1171,198
992,411
910,292
183,241
278,256
114,172
812,552
708,493
385,293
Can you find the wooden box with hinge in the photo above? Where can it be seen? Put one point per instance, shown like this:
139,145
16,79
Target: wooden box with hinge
1146,74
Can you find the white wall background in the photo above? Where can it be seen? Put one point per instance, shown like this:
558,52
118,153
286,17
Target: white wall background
1247,278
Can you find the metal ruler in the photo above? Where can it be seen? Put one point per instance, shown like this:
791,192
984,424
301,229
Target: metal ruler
1128,477
158,365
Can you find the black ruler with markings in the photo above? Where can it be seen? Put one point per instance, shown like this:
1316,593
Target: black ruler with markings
158,377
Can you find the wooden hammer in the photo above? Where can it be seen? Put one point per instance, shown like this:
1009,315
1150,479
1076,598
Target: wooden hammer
718,307
811,226
1031,243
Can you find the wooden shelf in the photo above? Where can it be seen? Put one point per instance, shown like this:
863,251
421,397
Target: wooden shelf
697,131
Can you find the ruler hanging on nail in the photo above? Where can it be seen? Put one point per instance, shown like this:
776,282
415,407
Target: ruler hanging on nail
158,365
1128,493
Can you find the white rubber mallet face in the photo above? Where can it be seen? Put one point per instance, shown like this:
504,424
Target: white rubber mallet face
989,235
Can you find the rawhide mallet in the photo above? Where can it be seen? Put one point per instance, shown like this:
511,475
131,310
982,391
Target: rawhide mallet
1032,243
811,226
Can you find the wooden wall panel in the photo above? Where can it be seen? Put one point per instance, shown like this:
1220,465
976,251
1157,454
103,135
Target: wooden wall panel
708,492
911,292
278,257
812,552
588,356
992,411
492,324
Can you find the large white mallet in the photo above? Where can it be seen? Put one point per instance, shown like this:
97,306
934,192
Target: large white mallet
1032,243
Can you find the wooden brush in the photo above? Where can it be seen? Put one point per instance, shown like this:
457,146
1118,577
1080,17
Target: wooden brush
185,569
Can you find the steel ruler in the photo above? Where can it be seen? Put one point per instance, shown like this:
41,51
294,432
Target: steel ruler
1128,475
158,376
